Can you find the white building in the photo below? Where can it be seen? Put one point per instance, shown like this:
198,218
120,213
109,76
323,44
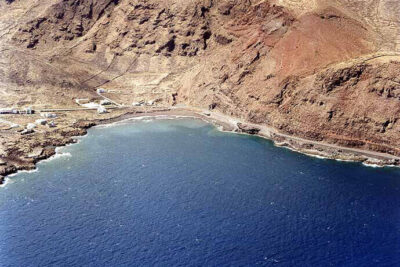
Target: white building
29,110
151,102
49,115
101,90
91,105
105,102
41,122
101,110
138,104
27,131
30,126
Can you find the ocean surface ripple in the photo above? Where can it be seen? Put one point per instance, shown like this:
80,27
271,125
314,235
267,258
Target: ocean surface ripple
180,193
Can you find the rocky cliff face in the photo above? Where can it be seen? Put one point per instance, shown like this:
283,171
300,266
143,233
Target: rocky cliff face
323,70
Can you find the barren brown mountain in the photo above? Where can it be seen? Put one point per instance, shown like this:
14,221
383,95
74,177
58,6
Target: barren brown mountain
321,70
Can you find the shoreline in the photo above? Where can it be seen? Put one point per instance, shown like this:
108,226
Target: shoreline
229,124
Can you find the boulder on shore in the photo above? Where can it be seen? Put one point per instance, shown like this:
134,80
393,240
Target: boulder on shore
244,128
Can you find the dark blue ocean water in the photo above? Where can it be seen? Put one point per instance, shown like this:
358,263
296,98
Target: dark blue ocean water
180,193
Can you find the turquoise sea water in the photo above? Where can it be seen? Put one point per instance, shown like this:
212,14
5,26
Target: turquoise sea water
180,193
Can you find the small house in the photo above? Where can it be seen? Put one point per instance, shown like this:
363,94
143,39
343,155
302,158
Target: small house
27,131
101,90
30,126
102,110
29,110
138,104
105,102
41,122
151,102
49,115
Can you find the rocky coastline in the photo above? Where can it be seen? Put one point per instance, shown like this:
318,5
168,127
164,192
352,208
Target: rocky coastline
13,163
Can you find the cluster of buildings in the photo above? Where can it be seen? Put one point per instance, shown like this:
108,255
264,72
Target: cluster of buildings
101,109
31,126
47,119
27,110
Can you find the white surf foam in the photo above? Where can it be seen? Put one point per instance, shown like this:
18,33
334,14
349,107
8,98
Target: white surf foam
371,165
8,181
5,183
145,118
23,171
58,155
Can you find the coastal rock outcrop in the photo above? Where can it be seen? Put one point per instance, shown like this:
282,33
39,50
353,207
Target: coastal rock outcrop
243,128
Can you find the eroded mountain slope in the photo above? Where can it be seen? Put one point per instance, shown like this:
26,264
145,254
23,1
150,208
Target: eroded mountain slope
322,70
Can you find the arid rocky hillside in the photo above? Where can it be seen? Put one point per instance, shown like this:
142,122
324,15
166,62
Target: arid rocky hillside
326,70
